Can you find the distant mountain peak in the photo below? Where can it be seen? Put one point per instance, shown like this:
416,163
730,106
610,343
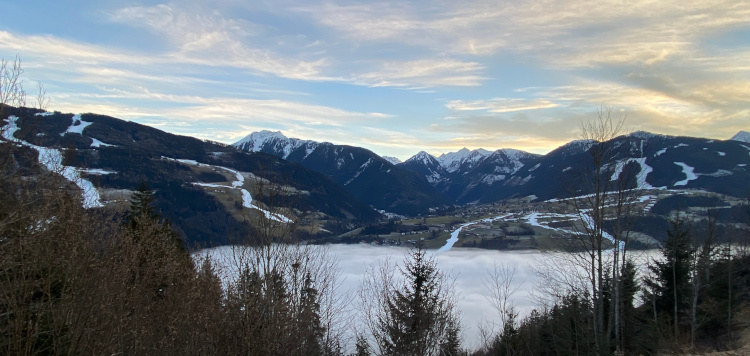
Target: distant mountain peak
260,136
643,134
453,161
424,158
742,136
256,141
583,145
392,160
514,154
420,155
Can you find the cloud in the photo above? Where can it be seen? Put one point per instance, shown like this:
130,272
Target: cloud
376,21
60,52
500,105
424,73
470,267
209,38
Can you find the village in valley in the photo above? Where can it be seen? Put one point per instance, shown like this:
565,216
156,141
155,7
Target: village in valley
523,224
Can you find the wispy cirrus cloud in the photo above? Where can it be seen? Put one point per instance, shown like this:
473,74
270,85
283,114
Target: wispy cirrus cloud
519,73
424,73
210,38
500,105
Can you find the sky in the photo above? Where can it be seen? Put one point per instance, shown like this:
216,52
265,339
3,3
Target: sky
396,77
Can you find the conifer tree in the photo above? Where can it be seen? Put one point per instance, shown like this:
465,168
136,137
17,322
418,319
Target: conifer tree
671,284
142,212
311,333
140,203
417,317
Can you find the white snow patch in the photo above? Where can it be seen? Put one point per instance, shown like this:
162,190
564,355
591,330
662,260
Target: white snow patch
191,162
492,178
454,235
689,174
642,174
681,145
721,153
719,173
660,152
97,143
247,199
52,159
211,185
95,171
361,169
77,126
44,113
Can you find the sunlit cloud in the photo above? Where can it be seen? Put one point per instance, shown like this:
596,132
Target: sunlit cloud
445,70
424,73
213,40
500,105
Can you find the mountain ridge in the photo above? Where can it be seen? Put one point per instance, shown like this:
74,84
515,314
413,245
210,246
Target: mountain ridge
366,175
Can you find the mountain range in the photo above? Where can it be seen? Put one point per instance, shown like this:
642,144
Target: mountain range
208,190
370,178
482,176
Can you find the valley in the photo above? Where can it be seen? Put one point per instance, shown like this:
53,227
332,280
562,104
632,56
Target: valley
520,224
519,201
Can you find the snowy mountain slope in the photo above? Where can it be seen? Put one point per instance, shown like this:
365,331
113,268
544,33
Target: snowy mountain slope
463,176
427,165
369,177
274,143
463,160
393,160
653,161
128,154
742,136
649,161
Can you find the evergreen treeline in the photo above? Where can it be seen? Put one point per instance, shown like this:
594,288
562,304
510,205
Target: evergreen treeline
688,299
89,282
78,281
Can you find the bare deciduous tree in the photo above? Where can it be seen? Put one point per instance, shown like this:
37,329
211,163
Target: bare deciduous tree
11,84
42,100
603,197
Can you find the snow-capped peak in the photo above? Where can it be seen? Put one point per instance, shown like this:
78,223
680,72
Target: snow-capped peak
581,145
274,141
260,137
392,160
742,136
514,154
643,134
424,157
454,160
